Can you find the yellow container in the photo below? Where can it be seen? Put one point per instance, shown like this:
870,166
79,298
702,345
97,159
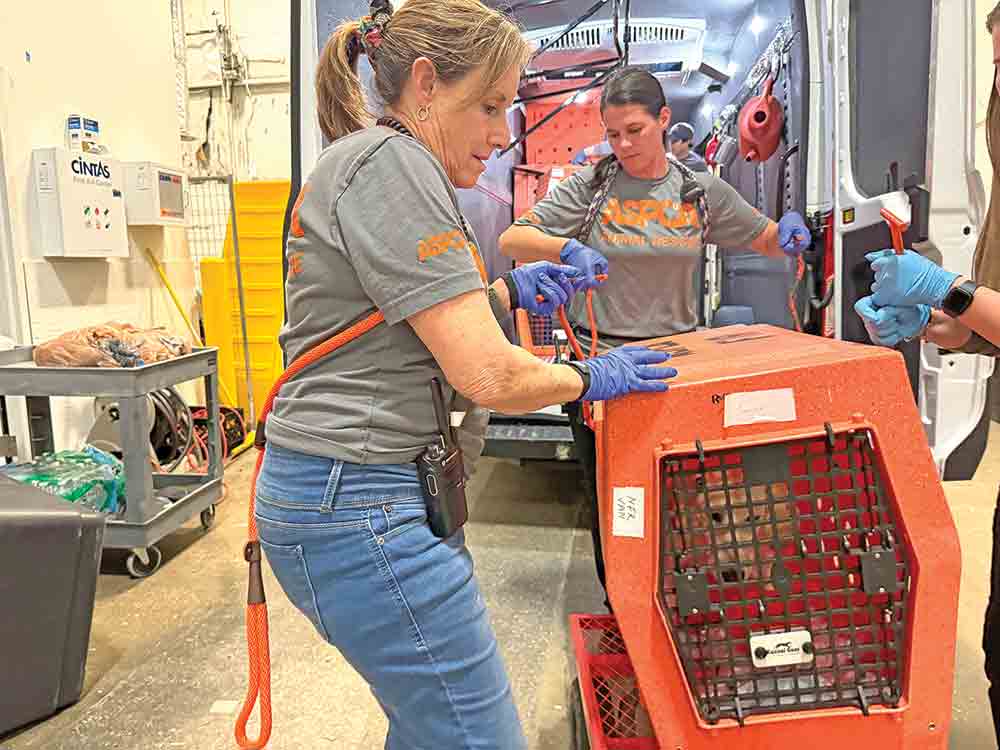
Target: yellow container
260,215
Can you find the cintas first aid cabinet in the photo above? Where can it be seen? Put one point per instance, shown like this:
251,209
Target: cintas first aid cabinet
79,205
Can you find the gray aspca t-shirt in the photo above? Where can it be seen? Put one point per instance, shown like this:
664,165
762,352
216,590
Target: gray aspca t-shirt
377,225
653,245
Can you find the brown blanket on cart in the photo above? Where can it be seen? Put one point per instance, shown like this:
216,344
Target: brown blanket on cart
110,345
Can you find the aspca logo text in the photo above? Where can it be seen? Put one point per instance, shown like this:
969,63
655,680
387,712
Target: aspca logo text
641,212
440,244
86,169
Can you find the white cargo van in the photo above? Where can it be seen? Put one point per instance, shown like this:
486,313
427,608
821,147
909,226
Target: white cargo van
878,101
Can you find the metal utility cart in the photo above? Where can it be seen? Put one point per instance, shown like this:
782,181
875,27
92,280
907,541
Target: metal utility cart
146,519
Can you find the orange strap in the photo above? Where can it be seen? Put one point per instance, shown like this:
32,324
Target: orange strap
573,342
800,271
258,646
577,349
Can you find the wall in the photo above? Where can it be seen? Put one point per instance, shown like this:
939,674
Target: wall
249,131
113,61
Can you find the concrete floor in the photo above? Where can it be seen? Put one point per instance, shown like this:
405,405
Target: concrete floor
167,657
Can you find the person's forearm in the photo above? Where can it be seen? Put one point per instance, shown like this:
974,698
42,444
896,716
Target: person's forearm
983,315
526,244
521,382
766,242
976,344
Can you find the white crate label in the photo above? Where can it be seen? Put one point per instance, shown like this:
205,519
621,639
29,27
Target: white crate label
756,407
629,512
781,649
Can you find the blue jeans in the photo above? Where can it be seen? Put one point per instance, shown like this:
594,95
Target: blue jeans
351,548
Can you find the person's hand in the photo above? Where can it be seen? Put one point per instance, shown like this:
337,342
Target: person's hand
627,369
590,262
908,279
946,331
555,285
793,234
887,326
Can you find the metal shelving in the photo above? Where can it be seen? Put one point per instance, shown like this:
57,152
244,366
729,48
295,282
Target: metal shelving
146,519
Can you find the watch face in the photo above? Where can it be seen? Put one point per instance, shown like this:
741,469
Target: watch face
959,298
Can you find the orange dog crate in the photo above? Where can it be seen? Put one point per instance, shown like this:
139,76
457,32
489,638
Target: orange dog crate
782,563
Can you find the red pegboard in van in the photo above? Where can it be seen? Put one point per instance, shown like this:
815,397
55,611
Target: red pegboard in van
556,142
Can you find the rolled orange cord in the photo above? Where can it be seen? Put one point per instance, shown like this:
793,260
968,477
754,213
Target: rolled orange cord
258,645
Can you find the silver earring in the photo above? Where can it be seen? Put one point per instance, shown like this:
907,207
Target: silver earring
423,113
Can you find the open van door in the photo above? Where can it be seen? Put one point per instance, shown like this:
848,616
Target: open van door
887,103
903,74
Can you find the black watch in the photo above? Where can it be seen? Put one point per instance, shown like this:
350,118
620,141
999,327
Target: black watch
958,298
584,371
515,301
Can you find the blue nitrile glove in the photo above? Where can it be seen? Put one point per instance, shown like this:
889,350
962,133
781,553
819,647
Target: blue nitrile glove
887,326
793,234
556,284
587,259
624,370
908,279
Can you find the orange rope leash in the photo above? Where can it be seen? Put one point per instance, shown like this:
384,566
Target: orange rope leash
258,645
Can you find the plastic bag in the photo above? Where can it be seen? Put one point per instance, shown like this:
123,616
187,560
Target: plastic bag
89,477
110,345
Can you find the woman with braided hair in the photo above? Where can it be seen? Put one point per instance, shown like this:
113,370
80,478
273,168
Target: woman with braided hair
642,218
340,509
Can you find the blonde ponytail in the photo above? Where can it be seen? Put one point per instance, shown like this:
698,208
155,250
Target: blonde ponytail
457,36
339,93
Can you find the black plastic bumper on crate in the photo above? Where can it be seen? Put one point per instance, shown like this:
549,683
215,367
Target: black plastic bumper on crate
546,440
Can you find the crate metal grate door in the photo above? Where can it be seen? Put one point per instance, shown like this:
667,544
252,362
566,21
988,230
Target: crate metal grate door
785,580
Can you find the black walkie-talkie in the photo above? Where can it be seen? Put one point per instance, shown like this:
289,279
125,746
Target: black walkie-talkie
442,474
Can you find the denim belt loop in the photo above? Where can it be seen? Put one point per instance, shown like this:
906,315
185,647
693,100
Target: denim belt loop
331,486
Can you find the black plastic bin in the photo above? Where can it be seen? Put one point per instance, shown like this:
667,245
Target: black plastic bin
50,554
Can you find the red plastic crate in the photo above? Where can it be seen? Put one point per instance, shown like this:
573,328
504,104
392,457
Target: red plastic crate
612,703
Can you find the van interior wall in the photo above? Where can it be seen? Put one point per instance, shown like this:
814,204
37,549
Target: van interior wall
111,61
750,279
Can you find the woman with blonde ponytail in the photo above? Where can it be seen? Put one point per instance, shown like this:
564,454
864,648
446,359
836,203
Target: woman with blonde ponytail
340,509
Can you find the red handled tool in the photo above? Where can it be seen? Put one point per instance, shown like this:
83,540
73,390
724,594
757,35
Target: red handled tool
896,228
